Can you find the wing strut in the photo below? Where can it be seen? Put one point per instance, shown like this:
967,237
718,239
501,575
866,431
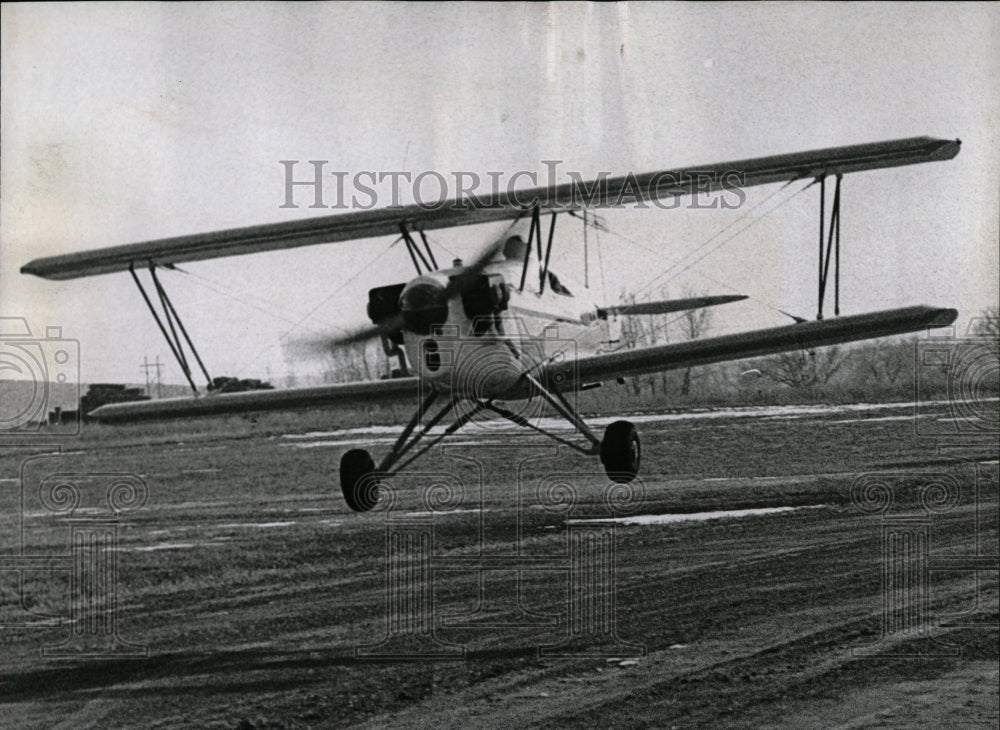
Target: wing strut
414,250
535,237
535,225
172,338
430,263
544,274
832,243
427,246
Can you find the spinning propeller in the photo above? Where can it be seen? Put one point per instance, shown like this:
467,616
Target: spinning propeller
424,303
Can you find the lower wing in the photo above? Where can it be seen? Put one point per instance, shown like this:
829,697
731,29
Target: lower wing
597,368
572,374
259,400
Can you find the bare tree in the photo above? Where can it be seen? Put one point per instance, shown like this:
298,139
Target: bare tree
647,330
803,368
632,335
346,363
694,323
642,330
987,326
887,362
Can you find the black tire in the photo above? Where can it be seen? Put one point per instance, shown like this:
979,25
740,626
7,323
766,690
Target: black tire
621,452
358,481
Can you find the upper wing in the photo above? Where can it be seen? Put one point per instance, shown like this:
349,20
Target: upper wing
597,368
258,400
505,206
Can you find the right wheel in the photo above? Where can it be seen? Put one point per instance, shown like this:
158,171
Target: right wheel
358,481
621,452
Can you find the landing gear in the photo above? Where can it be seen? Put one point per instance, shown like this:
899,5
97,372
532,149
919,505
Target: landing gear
360,477
621,452
358,480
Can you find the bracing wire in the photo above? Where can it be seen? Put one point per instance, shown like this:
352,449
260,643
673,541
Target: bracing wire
268,307
678,262
724,241
337,290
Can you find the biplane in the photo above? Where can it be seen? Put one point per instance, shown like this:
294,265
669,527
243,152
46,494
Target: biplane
462,334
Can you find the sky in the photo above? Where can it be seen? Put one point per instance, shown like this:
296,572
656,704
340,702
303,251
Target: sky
130,122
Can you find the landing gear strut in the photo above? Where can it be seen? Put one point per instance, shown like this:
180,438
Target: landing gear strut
359,476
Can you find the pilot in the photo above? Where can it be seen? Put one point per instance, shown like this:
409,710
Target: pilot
515,248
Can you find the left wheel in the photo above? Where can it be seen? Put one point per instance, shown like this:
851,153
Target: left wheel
358,481
621,452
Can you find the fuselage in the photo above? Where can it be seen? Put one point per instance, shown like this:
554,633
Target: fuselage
485,337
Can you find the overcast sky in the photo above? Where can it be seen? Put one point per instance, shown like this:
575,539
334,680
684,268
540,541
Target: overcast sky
128,122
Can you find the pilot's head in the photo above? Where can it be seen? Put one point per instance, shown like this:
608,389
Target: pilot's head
514,248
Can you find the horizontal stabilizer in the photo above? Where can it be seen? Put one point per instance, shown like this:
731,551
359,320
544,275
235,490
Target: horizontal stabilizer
668,305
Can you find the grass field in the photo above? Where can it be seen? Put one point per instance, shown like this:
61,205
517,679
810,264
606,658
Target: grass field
261,602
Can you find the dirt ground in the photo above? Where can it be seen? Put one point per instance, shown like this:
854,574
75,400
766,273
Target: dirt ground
492,589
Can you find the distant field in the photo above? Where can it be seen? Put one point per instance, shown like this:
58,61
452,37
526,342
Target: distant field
258,596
